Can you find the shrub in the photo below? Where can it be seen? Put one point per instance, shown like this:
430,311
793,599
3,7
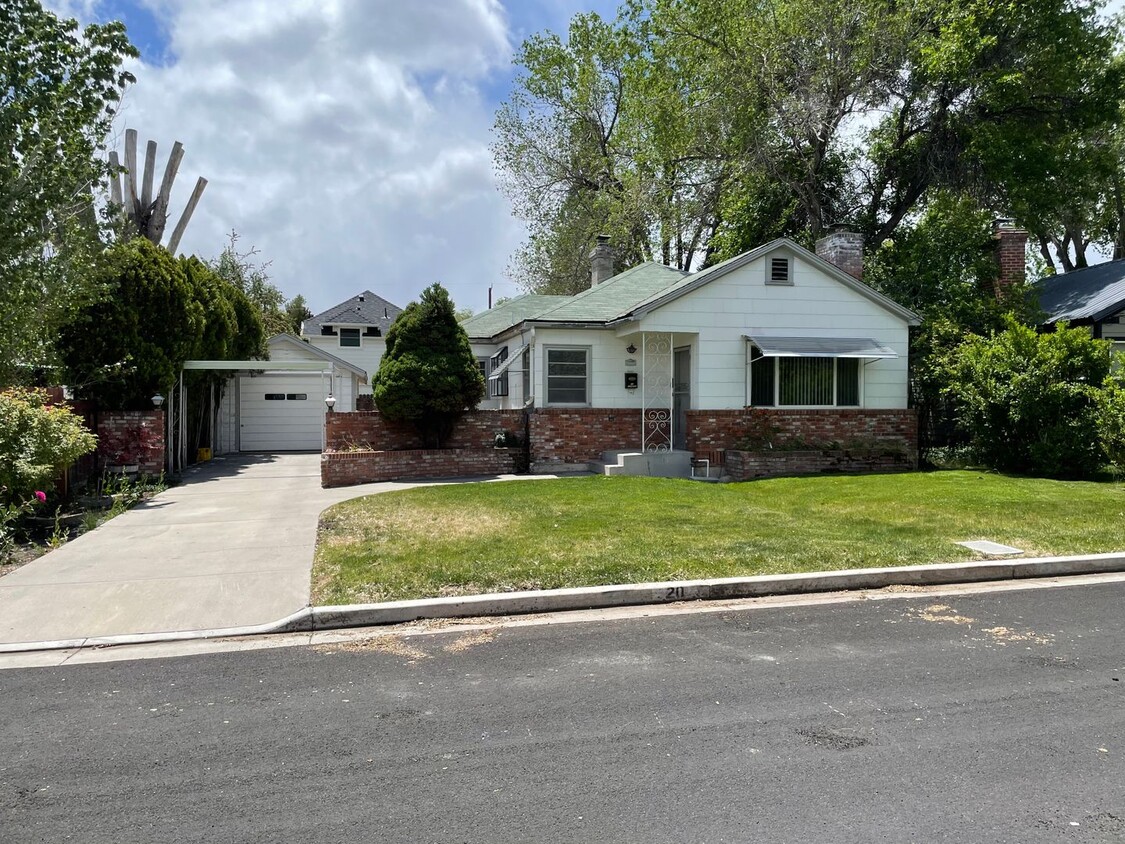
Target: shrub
428,375
1028,401
121,350
1111,422
36,441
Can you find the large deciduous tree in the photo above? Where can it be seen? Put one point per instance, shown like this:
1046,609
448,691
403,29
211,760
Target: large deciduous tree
691,130
428,375
60,89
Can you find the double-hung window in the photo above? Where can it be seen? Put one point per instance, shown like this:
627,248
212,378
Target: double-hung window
568,375
349,337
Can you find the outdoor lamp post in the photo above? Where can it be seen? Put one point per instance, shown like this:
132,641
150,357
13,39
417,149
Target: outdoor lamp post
330,402
157,401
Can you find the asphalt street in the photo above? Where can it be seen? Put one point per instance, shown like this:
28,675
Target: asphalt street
996,717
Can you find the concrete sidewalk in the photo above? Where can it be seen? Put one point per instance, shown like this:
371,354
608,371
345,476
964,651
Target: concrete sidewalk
231,546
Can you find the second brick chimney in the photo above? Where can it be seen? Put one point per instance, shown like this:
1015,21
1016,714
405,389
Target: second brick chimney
1011,255
602,261
844,249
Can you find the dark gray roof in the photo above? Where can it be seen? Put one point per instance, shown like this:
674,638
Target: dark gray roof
1092,293
363,309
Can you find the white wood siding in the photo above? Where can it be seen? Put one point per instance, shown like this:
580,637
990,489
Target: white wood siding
815,305
366,356
1114,330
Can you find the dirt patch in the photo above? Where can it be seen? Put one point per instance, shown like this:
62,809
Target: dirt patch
470,640
896,588
393,645
21,556
1006,635
940,613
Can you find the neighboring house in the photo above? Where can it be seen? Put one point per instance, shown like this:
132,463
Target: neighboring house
777,327
1092,296
354,330
281,405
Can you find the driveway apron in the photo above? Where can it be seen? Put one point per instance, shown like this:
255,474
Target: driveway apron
231,546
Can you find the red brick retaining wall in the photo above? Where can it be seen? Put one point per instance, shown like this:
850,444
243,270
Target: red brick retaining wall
578,435
126,437
747,465
370,429
344,468
710,430
571,437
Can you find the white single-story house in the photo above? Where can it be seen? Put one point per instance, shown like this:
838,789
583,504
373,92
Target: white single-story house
354,330
778,327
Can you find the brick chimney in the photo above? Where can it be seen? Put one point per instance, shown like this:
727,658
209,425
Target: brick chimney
601,261
844,249
1011,255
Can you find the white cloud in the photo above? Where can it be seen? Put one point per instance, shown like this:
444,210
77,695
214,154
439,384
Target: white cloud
345,139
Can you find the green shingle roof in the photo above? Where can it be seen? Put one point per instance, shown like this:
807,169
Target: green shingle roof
615,296
512,312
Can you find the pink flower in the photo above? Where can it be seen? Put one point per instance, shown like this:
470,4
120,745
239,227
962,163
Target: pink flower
40,496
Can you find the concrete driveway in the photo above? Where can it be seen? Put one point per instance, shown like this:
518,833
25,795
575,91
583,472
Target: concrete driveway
231,546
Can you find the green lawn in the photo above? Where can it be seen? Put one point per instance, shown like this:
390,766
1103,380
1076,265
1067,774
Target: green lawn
543,534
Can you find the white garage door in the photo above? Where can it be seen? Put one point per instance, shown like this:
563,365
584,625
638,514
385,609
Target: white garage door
281,413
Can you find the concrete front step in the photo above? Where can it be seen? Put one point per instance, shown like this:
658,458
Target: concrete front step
652,464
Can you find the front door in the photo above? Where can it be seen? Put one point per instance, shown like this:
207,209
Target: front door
681,395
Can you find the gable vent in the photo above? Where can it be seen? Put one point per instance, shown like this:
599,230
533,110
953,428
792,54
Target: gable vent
779,271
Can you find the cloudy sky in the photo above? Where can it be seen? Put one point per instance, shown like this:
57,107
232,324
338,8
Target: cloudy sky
346,140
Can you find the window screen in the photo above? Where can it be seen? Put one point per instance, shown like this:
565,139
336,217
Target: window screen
761,379
847,382
567,371
804,381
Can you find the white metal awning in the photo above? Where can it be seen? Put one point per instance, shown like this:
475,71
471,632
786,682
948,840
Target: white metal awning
820,347
512,358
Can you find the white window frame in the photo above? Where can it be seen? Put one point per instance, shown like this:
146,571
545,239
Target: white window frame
588,350
861,370
359,334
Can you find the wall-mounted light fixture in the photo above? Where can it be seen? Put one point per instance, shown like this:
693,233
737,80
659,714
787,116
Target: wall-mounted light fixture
631,349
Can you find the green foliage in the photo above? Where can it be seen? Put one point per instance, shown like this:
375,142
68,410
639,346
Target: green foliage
61,88
37,439
1029,401
242,271
1111,422
692,130
428,375
232,325
123,349
161,311
296,312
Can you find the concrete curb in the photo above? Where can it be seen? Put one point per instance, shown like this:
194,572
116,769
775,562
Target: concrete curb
312,619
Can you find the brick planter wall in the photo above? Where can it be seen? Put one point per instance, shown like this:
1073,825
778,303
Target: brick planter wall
747,465
344,468
719,430
126,437
370,429
569,437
